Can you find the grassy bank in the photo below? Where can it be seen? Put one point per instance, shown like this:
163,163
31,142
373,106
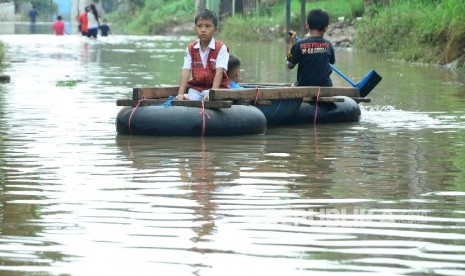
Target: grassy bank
156,17
430,31
159,17
416,30
270,22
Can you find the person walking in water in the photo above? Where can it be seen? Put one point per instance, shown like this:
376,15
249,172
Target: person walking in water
33,14
105,28
92,21
58,27
82,19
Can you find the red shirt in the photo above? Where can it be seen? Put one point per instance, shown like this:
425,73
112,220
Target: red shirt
202,78
83,21
59,27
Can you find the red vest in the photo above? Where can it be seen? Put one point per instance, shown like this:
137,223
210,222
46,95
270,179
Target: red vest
202,78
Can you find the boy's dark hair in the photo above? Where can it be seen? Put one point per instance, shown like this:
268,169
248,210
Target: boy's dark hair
233,63
318,19
59,17
207,15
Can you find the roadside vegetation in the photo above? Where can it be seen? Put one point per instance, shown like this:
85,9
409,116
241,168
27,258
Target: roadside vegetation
44,8
430,31
270,22
152,17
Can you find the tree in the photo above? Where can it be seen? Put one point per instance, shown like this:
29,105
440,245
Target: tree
199,6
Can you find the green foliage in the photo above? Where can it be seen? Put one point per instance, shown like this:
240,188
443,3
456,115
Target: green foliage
270,22
338,8
416,30
154,16
68,83
44,8
250,28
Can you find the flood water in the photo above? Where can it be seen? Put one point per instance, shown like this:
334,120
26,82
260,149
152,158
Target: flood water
385,195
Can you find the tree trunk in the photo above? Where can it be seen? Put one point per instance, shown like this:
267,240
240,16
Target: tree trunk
199,6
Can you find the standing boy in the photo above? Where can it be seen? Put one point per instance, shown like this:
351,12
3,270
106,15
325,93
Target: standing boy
104,28
313,53
59,26
206,58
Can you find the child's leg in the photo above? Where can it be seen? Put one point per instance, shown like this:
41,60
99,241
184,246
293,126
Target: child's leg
194,95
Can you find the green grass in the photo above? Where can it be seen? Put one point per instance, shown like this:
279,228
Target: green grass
415,30
68,83
270,22
155,17
430,31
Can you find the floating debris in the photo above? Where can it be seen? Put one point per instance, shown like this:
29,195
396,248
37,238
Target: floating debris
68,83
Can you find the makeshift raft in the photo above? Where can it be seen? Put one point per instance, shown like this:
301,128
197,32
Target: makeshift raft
229,112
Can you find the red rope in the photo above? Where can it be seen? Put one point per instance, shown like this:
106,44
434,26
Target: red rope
203,113
257,94
316,106
132,112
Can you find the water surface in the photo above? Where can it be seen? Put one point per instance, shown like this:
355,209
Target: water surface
382,196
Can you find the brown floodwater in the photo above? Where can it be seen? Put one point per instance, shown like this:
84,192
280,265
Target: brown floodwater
385,195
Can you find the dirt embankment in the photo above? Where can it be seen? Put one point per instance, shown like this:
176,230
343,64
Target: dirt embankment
340,33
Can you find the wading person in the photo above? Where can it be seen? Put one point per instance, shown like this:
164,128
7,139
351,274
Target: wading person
58,27
92,21
82,19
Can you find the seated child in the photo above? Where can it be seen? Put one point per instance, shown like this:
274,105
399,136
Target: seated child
207,60
234,72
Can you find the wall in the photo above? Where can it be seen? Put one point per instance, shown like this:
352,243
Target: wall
7,11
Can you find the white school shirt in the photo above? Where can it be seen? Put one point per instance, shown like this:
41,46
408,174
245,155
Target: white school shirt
92,22
221,60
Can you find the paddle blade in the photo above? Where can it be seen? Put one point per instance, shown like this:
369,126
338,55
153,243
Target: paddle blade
368,83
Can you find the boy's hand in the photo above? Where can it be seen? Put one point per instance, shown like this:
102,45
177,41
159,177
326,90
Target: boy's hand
179,97
292,36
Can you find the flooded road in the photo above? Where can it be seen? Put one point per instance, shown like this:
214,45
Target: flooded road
385,195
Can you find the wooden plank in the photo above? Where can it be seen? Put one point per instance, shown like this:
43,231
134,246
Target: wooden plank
361,100
333,99
248,102
146,102
275,93
269,91
324,99
253,85
154,92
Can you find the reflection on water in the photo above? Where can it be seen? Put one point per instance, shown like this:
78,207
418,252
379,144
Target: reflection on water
384,195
